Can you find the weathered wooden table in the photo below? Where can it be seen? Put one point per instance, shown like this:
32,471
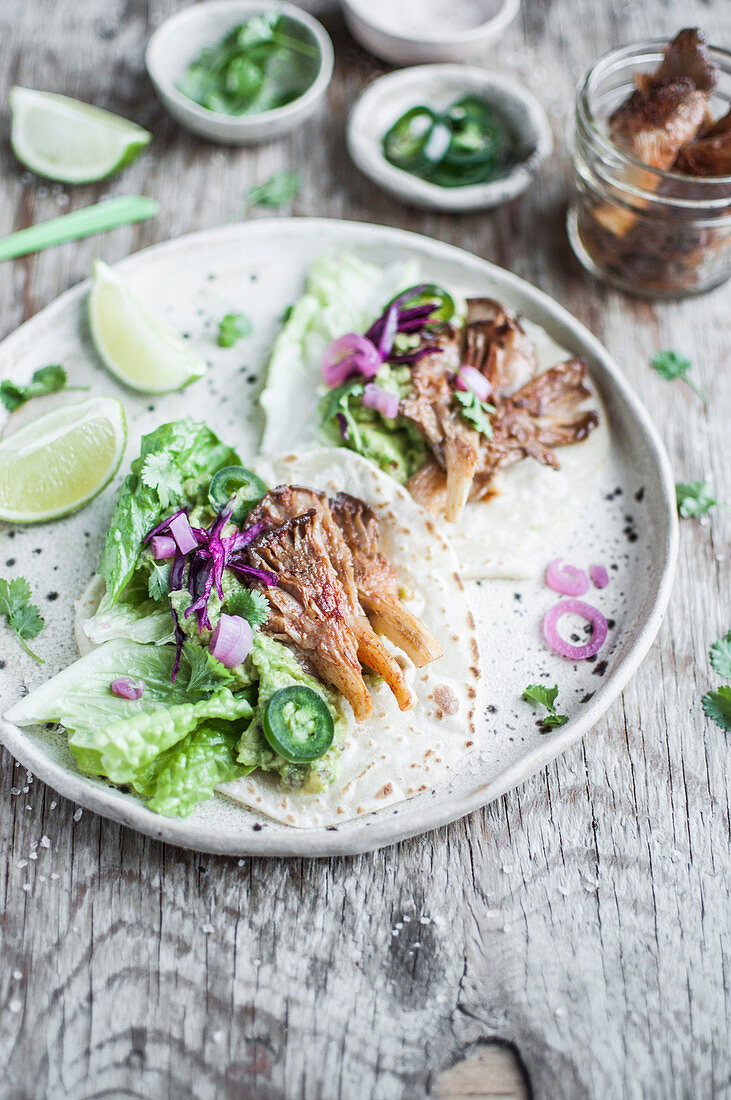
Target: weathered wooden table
582,922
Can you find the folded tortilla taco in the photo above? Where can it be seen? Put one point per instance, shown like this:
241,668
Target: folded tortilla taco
293,636
485,420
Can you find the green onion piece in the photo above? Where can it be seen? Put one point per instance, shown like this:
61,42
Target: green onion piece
78,224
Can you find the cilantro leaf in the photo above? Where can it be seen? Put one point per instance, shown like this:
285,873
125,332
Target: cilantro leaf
475,411
336,403
206,674
546,697
45,380
233,327
278,190
158,583
540,694
250,605
22,616
694,498
717,705
163,474
671,365
721,656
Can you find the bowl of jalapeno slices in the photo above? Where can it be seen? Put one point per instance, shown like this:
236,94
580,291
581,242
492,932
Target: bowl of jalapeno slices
449,137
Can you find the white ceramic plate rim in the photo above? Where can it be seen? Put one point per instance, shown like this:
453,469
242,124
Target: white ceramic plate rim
498,22
239,123
366,154
377,831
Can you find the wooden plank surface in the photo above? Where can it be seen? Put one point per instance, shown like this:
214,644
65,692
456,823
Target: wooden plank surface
583,920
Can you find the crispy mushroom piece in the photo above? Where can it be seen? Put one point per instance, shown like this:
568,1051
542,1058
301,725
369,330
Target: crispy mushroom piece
494,343
286,503
710,155
378,582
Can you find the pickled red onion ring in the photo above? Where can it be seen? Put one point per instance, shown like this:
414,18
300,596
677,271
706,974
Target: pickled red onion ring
566,579
599,576
565,649
383,401
469,378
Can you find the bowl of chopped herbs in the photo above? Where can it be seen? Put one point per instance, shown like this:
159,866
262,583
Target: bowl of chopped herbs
240,71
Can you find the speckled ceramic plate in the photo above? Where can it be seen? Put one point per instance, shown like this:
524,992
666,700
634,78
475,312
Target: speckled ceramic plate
259,268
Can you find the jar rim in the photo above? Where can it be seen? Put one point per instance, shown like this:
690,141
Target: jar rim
635,51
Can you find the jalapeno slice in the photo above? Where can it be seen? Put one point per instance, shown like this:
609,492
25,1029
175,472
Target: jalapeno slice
235,481
478,136
298,724
423,295
417,141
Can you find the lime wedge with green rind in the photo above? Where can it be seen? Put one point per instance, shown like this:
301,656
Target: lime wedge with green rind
72,142
134,343
61,460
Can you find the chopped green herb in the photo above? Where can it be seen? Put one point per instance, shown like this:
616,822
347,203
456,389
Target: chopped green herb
232,328
45,380
21,615
694,498
671,365
250,605
721,656
717,705
475,411
163,474
158,584
278,190
538,693
206,674
336,403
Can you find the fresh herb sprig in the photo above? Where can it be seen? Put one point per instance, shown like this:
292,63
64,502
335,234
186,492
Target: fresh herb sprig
22,616
250,605
475,411
336,403
538,693
717,704
694,499
232,328
45,380
671,365
279,190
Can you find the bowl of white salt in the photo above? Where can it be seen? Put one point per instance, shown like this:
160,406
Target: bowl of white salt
414,32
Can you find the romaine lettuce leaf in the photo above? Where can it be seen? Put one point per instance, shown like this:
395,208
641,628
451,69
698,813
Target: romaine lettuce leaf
189,771
134,616
342,294
175,461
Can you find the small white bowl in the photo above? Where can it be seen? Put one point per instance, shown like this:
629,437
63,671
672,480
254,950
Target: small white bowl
178,42
399,31
438,86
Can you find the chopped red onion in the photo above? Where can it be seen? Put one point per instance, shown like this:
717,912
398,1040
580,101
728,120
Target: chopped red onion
347,356
163,525
182,532
231,640
599,576
469,378
127,688
566,579
390,328
565,649
163,546
383,401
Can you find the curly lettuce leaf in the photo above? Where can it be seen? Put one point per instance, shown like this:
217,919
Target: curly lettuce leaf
175,462
188,772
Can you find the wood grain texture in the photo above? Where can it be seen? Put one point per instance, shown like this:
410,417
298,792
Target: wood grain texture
584,917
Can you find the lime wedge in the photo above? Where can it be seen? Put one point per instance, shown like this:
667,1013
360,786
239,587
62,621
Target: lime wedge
61,460
134,343
69,141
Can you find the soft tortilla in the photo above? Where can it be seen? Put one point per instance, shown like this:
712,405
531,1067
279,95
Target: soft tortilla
393,755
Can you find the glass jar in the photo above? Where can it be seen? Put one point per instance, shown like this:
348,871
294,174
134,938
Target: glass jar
654,233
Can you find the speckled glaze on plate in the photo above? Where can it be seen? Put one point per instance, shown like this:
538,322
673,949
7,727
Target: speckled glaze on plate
259,268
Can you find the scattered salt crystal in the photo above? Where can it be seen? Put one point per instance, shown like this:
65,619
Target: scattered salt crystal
17,975
15,790
424,920
399,925
28,806
45,841
241,863
218,1036
41,878
26,886
15,1005
34,844
206,929
77,815
53,805
22,863
417,944
394,932
32,855
55,875
406,919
